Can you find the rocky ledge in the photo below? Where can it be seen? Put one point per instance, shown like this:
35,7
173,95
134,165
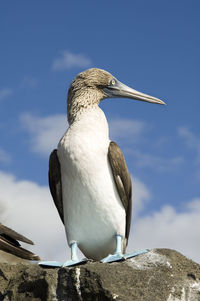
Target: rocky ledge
159,275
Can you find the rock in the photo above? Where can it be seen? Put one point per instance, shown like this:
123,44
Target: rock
159,275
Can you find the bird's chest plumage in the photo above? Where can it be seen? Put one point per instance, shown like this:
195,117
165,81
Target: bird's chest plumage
93,211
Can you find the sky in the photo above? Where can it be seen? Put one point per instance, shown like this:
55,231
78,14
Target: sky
152,46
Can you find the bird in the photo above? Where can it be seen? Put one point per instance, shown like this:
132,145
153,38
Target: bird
88,176
9,243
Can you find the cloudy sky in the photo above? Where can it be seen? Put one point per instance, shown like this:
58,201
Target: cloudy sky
152,46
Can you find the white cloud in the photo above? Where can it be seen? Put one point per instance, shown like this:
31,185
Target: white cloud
126,129
133,132
68,60
157,162
4,93
141,196
168,228
45,132
28,208
191,140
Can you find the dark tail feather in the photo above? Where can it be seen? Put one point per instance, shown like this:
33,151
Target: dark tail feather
11,234
18,251
9,243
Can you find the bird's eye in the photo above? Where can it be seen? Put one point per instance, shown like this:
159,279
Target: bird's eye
112,82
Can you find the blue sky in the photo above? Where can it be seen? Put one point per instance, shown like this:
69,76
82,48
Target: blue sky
152,46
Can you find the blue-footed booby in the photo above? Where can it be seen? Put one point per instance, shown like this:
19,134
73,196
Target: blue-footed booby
88,177
9,243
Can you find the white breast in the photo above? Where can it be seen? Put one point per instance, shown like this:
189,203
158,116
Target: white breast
93,211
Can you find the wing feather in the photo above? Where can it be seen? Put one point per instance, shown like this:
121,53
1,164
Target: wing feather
55,184
122,179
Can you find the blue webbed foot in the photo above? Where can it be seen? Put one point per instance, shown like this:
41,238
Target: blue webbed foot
53,264
118,256
136,253
57,264
113,257
121,257
74,262
74,259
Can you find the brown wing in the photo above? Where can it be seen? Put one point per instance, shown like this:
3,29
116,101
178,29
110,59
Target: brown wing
55,182
122,180
9,243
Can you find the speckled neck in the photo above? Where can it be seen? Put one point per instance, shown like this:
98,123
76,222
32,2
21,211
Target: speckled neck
80,100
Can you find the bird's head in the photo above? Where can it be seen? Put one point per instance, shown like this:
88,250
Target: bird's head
93,85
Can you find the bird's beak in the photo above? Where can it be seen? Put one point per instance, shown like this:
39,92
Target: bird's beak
118,89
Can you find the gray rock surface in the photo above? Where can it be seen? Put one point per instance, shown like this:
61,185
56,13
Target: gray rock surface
159,275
